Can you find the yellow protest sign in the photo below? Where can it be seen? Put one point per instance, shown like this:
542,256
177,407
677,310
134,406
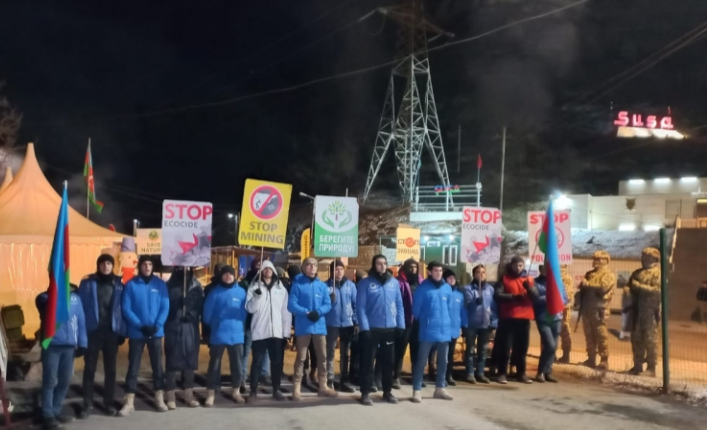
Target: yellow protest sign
306,244
408,244
266,207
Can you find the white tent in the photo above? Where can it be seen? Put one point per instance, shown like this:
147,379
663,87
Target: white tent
29,208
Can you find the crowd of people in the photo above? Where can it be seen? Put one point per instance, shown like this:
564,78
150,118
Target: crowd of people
374,319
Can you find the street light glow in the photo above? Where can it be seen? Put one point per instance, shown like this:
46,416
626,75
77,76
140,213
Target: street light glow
661,180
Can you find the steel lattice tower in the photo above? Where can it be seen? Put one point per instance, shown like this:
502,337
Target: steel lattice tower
417,123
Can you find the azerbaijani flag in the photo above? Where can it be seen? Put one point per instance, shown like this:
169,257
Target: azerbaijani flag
556,295
59,292
90,186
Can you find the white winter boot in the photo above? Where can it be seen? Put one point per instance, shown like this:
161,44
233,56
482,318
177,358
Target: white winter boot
128,405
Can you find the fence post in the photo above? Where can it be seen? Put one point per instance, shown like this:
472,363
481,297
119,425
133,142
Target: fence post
664,308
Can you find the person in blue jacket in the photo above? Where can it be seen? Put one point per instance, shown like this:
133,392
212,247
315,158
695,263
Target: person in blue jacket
145,308
549,327
459,321
341,324
225,314
381,318
69,341
482,318
309,302
432,308
101,294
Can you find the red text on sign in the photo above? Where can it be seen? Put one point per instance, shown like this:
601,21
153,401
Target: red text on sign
559,218
183,210
625,119
481,215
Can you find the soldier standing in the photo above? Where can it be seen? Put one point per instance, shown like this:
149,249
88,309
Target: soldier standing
644,286
596,290
565,333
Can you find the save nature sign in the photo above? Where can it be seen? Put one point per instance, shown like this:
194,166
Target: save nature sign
335,226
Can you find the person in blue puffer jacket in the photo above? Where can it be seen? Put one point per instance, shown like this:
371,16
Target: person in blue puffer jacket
309,302
341,324
482,317
549,327
145,309
381,318
225,313
69,341
101,295
459,318
432,308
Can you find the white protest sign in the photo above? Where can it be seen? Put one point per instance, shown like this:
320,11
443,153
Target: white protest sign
482,232
186,233
563,229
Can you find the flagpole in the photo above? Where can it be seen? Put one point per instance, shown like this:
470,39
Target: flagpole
88,188
503,167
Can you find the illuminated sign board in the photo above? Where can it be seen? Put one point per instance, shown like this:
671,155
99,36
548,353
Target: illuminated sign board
636,125
452,189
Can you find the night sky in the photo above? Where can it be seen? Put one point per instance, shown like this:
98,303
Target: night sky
110,70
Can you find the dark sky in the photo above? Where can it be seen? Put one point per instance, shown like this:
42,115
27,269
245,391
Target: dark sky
107,70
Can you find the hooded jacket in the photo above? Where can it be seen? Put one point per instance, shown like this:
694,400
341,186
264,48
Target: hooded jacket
271,319
512,285
181,338
307,295
480,315
406,289
343,310
89,299
70,333
379,302
432,307
458,315
225,313
145,304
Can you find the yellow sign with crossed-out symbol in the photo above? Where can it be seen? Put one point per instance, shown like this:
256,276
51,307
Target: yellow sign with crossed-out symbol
266,207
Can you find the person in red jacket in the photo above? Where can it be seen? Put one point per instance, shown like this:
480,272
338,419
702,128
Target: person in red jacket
515,294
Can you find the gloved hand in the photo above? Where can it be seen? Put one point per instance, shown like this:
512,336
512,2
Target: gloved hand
79,352
518,297
399,333
526,284
121,340
463,333
153,330
356,330
479,300
185,319
146,330
313,316
258,291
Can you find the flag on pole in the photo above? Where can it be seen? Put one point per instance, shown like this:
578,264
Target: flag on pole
91,187
59,292
556,294
478,162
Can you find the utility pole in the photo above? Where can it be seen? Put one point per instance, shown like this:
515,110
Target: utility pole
459,149
503,166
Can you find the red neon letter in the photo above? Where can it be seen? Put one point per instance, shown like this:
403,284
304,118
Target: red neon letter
622,119
651,122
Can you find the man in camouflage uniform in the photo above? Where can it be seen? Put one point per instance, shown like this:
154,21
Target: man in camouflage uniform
596,290
644,286
565,334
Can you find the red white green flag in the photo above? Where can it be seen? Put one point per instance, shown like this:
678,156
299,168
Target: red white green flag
91,187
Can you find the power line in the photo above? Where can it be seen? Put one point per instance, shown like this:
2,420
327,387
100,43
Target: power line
323,79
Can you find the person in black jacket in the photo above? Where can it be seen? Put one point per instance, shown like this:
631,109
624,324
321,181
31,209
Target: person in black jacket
181,334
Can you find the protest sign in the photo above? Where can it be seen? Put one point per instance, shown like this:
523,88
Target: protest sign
265,213
335,226
482,232
186,233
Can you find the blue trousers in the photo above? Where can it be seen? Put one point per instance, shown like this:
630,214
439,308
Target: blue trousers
475,365
57,370
442,349
549,333
247,346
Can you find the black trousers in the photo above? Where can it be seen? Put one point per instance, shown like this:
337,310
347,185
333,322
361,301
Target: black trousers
414,343
355,361
105,341
382,343
135,349
401,346
450,358
171,379
515,334
274,347
235,358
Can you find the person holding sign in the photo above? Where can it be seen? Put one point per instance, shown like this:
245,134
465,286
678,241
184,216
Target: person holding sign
341,324
145,309
225,313
309,302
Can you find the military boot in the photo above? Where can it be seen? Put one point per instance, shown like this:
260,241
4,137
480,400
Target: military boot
591,362
650,372
604,364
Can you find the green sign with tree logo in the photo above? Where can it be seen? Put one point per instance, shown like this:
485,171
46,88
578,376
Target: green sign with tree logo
335,226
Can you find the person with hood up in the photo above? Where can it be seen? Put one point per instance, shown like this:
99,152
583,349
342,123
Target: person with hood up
100,295
270,327
432,308
481,317
549,327
459,321
245,283
341,324
145,303
205,330
309,302
409,279
225,313
69,341
515,295
181,334
379,310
